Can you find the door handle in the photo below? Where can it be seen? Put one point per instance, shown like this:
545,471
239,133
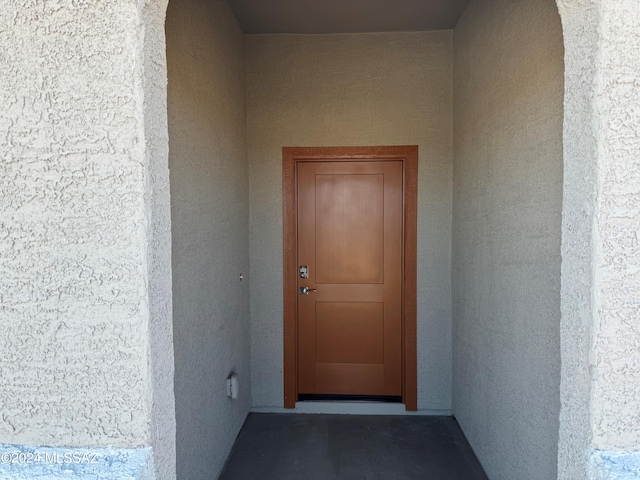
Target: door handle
307,290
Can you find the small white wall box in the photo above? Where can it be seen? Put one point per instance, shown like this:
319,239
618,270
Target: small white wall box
232,386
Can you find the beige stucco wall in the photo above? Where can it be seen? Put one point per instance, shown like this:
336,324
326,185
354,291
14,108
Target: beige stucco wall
580,28
371,89
599,421
86,357
75,304
508,92
616,392
210,223
158,246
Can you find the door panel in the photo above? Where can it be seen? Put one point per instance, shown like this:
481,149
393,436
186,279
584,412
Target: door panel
350,379
349,228
349,332
350,235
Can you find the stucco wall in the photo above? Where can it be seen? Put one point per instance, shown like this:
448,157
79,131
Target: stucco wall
616,376
600,423
370,89
158,248
581,31
74,305
210,211
508,172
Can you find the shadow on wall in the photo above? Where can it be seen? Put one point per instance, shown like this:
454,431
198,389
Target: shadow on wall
210,214
508,179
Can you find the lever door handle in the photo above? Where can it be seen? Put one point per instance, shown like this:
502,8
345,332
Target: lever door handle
307,290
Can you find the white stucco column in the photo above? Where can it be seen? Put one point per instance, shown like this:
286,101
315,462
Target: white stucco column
86,361
600,389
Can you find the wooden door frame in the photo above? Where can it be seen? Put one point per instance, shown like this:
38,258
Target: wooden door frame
291,156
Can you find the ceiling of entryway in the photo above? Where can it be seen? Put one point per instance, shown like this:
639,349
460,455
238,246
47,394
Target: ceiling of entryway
342,16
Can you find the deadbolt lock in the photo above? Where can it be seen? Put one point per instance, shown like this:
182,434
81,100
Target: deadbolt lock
304,271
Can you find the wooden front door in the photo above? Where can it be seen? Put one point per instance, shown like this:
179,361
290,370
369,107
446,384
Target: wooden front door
350,238
350,217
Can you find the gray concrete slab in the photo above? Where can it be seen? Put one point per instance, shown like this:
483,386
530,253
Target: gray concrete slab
349,447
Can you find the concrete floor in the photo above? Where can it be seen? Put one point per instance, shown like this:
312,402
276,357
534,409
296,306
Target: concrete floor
350,447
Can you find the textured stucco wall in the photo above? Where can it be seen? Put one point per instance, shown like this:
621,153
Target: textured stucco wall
371,89
74,308
210,230
507,181
616,343
600,416
158,248
580,28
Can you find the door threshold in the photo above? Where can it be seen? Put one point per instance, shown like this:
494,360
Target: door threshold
350,408
314,397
